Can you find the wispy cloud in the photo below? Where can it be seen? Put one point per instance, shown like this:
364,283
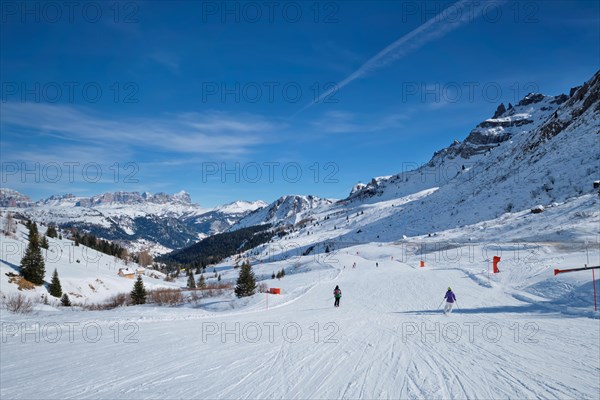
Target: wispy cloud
434,28
215,133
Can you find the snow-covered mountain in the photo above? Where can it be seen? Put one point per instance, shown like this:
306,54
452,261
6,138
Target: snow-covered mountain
12,198
223,217
287,210
545,150
491,135
158,221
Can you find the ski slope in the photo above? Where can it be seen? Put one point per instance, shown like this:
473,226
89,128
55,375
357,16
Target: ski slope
387,340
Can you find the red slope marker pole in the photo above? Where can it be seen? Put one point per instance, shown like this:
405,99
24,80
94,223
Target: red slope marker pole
594,283
560,271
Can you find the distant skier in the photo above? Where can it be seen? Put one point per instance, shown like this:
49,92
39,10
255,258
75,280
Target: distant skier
450,298
354,265
337,294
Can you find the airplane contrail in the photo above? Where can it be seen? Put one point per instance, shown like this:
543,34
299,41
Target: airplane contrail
432,29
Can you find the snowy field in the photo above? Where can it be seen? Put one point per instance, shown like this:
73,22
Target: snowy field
522,333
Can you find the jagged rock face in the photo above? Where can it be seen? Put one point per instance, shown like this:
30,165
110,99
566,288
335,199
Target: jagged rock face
523,117
531,98
290,206
12,198
356,188
586,98
500,110
560,99
137,198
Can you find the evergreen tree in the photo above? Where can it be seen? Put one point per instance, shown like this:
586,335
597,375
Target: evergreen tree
282,272
278,276
273,275
201,282
138,294
33,229
55,288
64,300
60,236
32,263
246,283
191,283
219,278
44,243
51,232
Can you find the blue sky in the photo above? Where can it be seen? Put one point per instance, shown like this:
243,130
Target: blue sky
253,100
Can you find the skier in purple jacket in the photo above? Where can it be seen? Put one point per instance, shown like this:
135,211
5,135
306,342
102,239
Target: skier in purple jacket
450,299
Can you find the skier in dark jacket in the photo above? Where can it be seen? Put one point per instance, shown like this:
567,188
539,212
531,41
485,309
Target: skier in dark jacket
337,293
450,298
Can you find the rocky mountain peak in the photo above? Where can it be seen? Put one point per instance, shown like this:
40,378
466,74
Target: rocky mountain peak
499,111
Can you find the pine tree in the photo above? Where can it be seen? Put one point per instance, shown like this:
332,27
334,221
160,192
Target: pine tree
246,283
60,236
191,283
51,232
278,276
273,276
282,272
138,294
32,263
201,282
64,300
44,243
219,278
33,229
55,288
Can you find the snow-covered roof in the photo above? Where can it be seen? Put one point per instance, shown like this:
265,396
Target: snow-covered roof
126,271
